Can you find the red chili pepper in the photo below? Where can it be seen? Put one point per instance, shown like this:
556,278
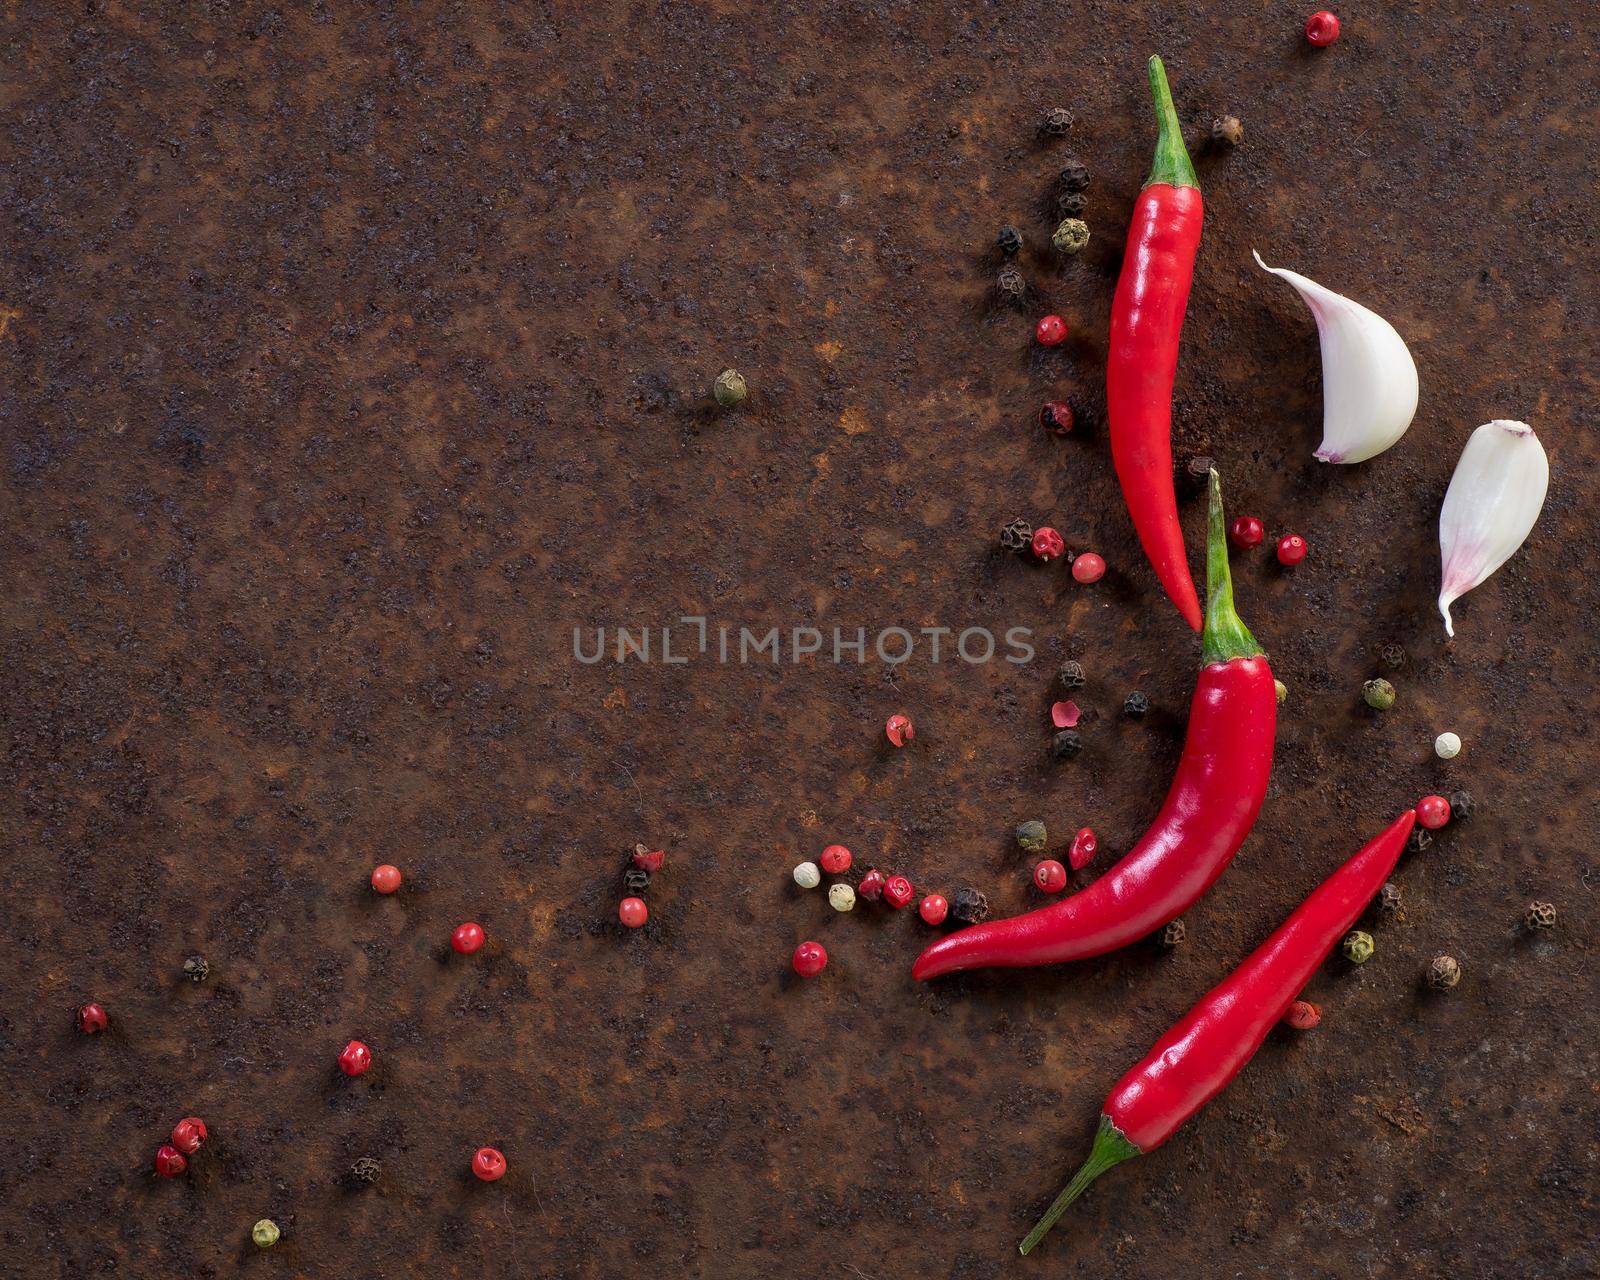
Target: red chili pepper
1200,1055
1146,318
1210,808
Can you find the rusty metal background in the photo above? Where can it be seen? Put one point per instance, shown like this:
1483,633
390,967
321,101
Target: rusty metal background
353,354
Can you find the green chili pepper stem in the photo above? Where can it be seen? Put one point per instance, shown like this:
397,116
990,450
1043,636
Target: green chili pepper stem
1225,636
1171,164
1110,1148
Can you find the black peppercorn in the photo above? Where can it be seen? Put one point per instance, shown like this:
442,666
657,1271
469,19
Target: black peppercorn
1074,175
1066,744
1392,656
1172,935
1443,973
1069,204
1009,241
196,969
635,880
1389,900
1419,839
1057,121
1135,705
1010,284
1197,473
1539,915
1462,805
365,1170
1070,676
1016,536
968,906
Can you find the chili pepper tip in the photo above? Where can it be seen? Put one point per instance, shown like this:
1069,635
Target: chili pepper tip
1225,635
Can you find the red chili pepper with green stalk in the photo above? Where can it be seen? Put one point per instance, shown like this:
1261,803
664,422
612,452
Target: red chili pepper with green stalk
1209,809
1146,318
1199,1057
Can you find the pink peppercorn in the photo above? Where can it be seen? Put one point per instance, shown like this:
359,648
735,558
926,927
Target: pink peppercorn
632,912
170,1162
1050,876
188,1134
1291,549
467,938
836,859
355,1059
897,891
1322,28
899,730
1047,544
385,878
92,1018
1056,417
488,1164
1303,1015
1065,715
1088,568
1051,331
871,886
1246,533
809,959
1084,846
933,909
648,860
1433,812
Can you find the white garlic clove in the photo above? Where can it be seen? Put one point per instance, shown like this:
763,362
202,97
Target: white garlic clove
1494,498
1369,380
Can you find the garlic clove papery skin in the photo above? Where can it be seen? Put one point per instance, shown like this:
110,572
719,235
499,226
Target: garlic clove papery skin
1489,509
1369,380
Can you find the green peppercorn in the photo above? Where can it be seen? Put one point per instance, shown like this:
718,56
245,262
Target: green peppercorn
1378,693
1172,936
265,1233
1010,284
1540,915
1009,241
1016,535
968,906
1031,836
365,1170
730,390
1357,947
1390,903
1443,973
1462,806
1227,131
1074,175
1280,691
1070,676
1056,123
1070,236
196,969
1135,705
1066,745
1071,204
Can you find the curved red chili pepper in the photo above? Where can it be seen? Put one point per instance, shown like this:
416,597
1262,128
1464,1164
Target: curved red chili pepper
1210,808
1146,318
1199,1057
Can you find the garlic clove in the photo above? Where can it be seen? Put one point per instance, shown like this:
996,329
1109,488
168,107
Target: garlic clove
1369,380
1494,498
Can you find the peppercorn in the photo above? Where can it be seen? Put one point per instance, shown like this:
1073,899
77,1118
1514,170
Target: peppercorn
1357,946
1303,1015
355,1059
1051,331
1433,812
1071,204
1047,544
1392,656
365,1170
1017,536
1050,876
1071,234
488,1164
196,969
1135,705
1291,549
1065,715
1246,533
1031,836
648,860
933,909
1227,130
1088,568
1379,694
1057,121
897,891
1443,973
836,859
1084,846
1056,417
265,1233
808,875
1322,28
1172,936
170,1162
809,959
467,938
1462,805
1419,839
633,912
1074,175
841,897
1009,241
1066,744
1069,675
1447,746
1009,283
635,881
1280,691
1390,902
871,886
730,390
968,906
92,1018
189,1134
1196,474
1539,915
386,878
899,730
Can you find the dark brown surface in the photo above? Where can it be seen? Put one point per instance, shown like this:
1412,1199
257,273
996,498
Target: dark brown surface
352,357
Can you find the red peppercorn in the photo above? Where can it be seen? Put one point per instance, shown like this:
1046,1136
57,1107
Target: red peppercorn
467,938
1433,812
1051,331
871,886
897,891
170,1162
356,1059
488,1164
1322,28
92,1018
648,860
1303,1015
899,730
188,1134
933,909
1065,715
1088,568
1084,846
1050,876
632,912
1246,532
809,959
1291,549
386,878
1047,544
1056,417
835,859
